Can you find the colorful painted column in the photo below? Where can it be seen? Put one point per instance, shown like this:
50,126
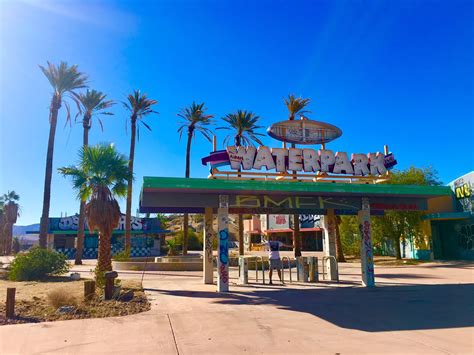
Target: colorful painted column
366,251
207,267
223,244
329,223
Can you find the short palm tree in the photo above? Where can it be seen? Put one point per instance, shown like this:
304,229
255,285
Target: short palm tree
244,125
296,106
139,106
91,103
10,209
100,177
64,80
195,120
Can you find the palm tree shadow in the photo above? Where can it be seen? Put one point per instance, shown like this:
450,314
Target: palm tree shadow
384,308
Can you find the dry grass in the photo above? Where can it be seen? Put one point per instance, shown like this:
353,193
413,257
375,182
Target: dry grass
60,297
39,301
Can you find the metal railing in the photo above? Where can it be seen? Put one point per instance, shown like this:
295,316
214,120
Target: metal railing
325,259
283,268
257,258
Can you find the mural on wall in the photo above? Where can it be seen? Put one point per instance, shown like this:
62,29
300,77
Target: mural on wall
71,223
463,188
466,236
310,221
278,221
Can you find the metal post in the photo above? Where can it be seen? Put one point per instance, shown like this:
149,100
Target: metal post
223,244
313,269
243,270
329,222
366,252
301,269
208,268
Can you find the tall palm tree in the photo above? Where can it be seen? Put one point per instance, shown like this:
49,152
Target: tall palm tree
139,106
244,125
100,177
296,106
91,103
2,225
195,120
10,215
64,80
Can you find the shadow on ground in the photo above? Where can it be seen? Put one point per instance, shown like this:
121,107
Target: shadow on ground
385,308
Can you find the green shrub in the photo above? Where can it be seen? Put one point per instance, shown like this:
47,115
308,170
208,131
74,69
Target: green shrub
37,264
122,256
194,240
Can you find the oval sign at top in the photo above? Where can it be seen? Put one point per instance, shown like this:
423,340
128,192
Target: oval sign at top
304,131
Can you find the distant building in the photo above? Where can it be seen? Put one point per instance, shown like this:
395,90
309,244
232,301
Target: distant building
145,239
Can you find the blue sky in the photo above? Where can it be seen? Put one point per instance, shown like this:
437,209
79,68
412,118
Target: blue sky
387,72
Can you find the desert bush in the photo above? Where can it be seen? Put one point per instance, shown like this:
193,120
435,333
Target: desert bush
37,264
58,298
194,240
122,256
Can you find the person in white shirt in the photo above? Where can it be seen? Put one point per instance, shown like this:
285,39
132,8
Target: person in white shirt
274,246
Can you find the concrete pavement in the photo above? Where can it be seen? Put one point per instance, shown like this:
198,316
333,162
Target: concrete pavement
415,309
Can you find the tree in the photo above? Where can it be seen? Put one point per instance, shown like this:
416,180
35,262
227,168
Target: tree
339,250
139,106
244,126
195,120
64,80
100,177
10,209
91,103
396,225
296,107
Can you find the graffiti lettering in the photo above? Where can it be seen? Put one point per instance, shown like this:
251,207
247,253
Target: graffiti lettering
367,242
223,246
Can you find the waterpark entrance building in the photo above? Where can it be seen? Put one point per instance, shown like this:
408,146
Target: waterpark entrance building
296,181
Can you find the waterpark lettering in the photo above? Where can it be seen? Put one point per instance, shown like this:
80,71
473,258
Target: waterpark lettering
308,160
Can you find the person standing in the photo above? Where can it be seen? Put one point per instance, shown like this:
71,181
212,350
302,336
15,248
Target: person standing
274,246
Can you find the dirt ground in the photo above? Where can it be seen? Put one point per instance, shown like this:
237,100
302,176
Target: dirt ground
32,303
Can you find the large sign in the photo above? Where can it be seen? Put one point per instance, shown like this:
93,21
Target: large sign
463,188
71,223
275,204
306,160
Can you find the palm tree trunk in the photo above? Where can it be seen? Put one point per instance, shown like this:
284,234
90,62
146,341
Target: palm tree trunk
128,215
8,235
104,261
339,252
296,235
296,224
2,235
187,174
241,234
44,222
82,215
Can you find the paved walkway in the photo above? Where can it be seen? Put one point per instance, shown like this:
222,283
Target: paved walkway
416,309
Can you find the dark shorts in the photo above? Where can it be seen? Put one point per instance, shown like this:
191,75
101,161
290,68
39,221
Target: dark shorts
275,264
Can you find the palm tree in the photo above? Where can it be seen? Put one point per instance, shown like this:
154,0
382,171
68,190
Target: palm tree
100,177
139,106
296,107
244,125
2,225
91,103
65,80
9,201
194,120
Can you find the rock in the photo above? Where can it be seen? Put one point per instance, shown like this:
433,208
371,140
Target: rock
126,296
75,276
66,309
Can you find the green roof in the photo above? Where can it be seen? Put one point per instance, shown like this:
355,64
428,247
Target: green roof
239,186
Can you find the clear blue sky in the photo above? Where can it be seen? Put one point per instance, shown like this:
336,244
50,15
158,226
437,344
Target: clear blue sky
387,72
